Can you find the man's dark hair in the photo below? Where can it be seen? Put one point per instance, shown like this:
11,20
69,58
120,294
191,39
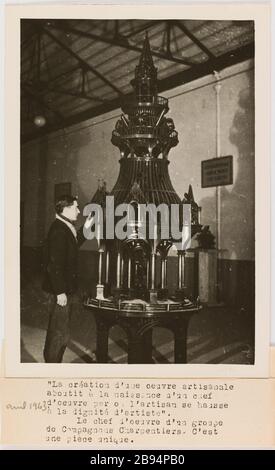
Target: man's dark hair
64,201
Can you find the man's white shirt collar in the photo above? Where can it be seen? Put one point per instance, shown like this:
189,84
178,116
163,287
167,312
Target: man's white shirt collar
71,226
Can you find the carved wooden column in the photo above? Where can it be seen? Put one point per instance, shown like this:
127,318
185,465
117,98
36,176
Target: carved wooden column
122,271
107,273
163,250
148,273
179,270
153,270
118,270
129,272
162,274
181,274
100,265
100,286
107,265
152,291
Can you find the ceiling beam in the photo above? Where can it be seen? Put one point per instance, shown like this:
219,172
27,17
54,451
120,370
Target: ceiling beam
35,97
150,24
32,61
29,39
38,74
225,60
61,75
116,34
60,26
45,88
168,37
84,96
193,38
84,64
206,68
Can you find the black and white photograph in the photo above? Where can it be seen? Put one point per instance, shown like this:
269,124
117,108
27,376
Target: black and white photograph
137,191
137,224
156,112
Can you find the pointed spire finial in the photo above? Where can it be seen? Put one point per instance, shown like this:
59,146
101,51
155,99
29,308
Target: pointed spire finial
145,81
146,61
189,197
190,193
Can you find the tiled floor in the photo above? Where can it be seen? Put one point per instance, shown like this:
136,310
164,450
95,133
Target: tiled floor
216,335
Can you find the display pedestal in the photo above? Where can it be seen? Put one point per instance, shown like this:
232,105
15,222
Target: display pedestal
207,261
138,321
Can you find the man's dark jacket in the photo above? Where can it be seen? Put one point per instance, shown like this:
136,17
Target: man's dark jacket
61,259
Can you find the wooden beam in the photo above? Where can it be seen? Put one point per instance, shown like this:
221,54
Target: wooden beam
45,88
35,97
168,38
38,56
142,28
115,42
82,62
198,71
206,68
193,38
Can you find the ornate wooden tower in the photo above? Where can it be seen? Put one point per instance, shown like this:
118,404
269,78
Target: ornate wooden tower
127,268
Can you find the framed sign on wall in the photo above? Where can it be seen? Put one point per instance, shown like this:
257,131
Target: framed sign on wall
217,172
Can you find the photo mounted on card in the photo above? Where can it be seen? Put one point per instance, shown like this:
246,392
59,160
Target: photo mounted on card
137,166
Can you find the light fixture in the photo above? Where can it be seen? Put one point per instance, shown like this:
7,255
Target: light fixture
39,121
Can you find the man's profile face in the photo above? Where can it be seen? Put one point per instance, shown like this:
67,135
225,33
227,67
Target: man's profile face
71,212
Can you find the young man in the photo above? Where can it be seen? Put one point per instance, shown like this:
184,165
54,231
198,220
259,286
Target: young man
60,279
